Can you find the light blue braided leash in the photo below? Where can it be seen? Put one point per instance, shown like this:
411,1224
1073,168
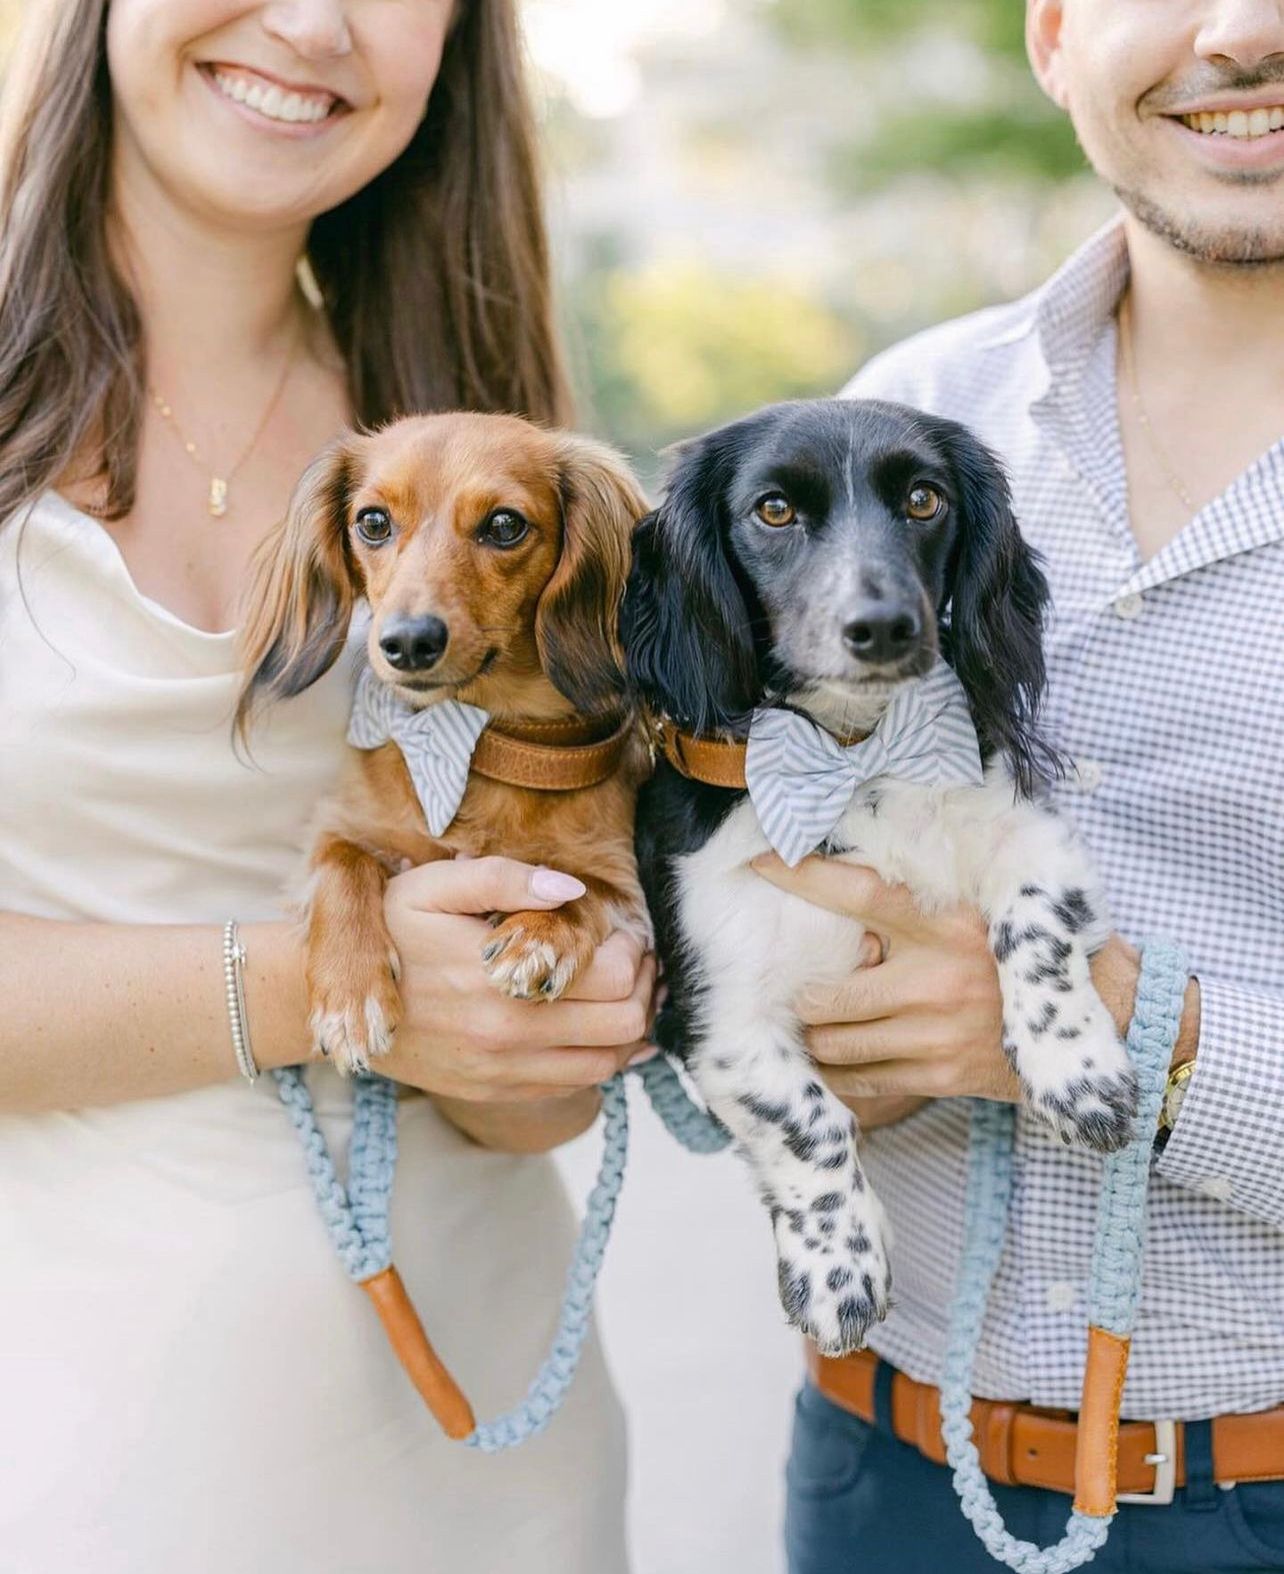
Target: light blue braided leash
1114,1288
357,1218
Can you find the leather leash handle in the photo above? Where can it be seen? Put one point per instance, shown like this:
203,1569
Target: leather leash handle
438,1389
1096,1451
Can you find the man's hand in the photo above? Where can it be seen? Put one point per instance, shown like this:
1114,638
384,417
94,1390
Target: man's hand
926,1020
922,1017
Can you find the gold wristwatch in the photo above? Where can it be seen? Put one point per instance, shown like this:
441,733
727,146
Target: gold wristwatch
1174,1092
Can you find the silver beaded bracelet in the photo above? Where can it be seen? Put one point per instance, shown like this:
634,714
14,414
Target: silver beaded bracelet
234,985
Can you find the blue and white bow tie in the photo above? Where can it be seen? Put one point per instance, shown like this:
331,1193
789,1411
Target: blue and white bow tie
801,779
436,743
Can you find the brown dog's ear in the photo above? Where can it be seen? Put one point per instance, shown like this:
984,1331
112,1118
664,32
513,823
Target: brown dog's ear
576,622
304,587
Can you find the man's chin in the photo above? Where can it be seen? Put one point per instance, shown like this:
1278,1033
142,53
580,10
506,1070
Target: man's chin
1216,240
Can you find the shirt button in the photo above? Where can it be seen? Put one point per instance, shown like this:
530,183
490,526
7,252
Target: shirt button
1129,606
1061,1296
1087,775
1218,1187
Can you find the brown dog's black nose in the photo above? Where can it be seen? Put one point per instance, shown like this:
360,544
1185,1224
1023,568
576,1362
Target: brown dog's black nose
883,636
414,644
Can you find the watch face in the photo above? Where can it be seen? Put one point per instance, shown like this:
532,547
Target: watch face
1175,1092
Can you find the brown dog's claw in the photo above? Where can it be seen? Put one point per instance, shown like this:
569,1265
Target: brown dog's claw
536,956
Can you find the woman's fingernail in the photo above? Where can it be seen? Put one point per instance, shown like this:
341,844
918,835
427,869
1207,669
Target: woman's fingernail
550,885
642,1056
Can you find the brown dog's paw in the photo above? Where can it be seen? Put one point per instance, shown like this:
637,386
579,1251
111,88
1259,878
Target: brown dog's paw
537,956
353,1017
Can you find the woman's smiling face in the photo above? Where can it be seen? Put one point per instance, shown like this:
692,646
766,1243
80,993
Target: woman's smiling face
267,115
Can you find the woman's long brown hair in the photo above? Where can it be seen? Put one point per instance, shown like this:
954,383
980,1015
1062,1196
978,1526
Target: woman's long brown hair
436,275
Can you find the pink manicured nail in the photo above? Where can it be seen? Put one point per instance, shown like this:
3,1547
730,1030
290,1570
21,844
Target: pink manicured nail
550,885
643,1055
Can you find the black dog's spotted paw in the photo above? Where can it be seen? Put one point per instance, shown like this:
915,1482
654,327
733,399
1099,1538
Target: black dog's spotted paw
1093,1112
833,1270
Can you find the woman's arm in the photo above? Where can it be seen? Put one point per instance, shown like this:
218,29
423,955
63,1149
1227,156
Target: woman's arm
104,1013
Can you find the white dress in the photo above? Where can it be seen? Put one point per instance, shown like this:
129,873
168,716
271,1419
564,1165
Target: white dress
189,1383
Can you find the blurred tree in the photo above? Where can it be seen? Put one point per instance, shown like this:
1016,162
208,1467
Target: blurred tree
673,348
796,189
1013,130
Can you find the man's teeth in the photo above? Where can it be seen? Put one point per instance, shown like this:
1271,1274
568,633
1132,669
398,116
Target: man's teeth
1238,122
271,100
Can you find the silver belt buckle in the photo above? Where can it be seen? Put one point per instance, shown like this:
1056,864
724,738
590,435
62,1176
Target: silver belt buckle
1164,1459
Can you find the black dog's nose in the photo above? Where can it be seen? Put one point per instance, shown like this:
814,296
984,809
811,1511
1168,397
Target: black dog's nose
883,636
414,644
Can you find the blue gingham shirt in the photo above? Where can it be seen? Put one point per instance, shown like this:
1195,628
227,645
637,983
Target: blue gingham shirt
1165,687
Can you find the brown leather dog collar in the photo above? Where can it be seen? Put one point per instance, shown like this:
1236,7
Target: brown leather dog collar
717,762
551,756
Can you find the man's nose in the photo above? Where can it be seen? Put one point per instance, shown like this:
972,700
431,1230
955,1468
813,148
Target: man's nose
1246,33
414,644
880,633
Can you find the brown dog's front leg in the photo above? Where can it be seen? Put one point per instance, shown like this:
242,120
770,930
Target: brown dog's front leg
351,962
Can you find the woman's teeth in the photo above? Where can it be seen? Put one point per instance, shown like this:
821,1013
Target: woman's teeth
272,101
1238,122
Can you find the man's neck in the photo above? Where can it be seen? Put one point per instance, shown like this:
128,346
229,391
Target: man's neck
1203,396
1207,323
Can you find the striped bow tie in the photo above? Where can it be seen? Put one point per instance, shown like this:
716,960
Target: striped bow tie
801,779
436,743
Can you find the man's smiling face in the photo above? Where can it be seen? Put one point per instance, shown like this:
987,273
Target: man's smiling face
1179,105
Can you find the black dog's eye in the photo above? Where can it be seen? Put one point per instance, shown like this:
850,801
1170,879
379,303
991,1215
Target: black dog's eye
924,503
505,527
775,509
374,526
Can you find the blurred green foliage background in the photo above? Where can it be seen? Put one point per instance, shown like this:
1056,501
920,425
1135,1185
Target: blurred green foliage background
779,188
750,197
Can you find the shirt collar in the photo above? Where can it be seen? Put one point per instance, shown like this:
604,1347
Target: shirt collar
1073,312
1080,298
1075,408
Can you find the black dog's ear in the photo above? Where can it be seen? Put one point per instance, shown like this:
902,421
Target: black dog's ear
997,597
688,645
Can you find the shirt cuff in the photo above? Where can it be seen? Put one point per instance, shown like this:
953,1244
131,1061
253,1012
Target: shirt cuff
1228,1140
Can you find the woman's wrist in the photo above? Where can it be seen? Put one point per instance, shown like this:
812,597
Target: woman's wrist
275,995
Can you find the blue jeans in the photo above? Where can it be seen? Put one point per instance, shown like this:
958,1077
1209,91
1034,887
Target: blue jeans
861,1500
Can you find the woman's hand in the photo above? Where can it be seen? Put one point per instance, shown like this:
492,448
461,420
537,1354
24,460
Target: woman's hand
922,1018
512,1073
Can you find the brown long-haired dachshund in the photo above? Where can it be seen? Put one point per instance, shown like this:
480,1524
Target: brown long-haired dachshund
493,555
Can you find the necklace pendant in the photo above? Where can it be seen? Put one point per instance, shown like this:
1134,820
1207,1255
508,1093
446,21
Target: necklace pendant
218,496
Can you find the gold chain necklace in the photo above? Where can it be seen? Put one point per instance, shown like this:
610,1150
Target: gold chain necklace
1143,420
219,483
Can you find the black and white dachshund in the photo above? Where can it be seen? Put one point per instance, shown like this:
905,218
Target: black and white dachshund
821,558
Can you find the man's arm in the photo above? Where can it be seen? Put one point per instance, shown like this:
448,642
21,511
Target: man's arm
926,1023
1228,1141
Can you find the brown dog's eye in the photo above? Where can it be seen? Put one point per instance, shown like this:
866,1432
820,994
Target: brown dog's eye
924,503
503,528
374,526
775,509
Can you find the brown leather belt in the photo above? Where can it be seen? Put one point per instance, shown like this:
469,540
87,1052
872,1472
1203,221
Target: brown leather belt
1024,1446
